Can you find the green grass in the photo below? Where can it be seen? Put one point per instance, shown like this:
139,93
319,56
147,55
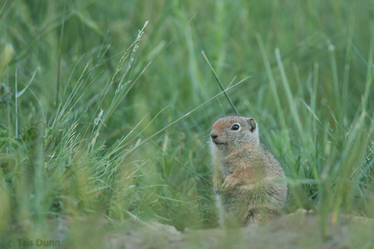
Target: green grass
101,119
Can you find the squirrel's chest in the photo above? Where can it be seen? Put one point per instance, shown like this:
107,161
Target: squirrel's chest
239,169
228,168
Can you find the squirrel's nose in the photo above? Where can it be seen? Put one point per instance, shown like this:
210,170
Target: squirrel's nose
213,135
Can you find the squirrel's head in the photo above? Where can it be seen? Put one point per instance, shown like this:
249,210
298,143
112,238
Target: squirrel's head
233,132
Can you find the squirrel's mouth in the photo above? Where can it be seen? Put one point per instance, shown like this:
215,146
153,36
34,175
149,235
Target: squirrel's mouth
217,140
218,143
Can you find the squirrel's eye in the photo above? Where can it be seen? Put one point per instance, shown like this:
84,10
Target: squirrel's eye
235,127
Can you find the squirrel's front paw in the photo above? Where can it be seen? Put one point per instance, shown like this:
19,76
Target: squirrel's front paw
230,182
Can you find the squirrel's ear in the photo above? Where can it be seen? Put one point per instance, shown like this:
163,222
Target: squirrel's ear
252,124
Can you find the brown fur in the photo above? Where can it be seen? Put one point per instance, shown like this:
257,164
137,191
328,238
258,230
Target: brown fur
246,175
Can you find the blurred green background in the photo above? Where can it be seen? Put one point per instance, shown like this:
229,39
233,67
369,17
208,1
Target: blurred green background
101,119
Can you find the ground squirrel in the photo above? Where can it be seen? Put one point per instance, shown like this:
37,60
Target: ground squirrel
247,177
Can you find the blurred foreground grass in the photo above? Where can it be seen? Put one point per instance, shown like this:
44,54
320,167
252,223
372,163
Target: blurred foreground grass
95,101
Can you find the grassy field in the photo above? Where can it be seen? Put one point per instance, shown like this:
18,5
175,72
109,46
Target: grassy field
106,107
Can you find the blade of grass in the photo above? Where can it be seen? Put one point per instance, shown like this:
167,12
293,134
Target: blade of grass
291,101
183,117
219,82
